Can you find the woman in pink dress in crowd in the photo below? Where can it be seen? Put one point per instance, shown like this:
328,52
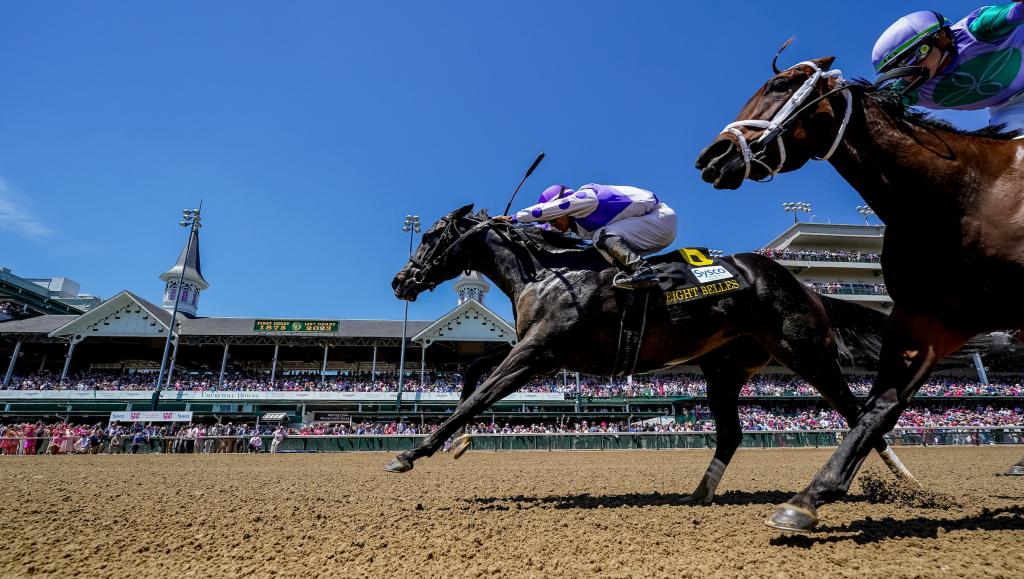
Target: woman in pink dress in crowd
56,439
9,443
28,440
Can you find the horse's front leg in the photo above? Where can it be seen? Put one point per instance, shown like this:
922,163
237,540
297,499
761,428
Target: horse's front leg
524,362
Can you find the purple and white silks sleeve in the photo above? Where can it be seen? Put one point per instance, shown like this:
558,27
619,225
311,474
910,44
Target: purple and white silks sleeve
578,204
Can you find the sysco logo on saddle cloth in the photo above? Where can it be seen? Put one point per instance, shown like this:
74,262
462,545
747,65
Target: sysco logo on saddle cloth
710,273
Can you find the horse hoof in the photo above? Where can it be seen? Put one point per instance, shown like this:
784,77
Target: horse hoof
695,499
789,517
398,464
1015,470
461,445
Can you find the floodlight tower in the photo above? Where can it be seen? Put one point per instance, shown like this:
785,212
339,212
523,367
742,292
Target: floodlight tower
191,219
796,208
866,212
412,227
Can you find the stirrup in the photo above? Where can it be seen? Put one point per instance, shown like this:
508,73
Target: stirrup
642,279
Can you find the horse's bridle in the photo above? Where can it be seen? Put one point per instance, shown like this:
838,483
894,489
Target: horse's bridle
431,260
782,120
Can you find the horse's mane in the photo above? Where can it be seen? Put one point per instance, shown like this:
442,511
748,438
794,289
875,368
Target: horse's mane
548,240
892,103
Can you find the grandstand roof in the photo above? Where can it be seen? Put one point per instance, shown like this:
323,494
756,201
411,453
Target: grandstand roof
37,325
48,324
833,236
346,328
470,321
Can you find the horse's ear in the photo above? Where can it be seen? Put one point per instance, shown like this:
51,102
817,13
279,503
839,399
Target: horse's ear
462,211
824,63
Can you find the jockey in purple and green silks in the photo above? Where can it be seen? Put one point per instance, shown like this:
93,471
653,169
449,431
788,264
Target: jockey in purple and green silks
972,64
624,223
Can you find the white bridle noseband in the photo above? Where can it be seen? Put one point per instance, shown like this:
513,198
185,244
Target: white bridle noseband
783,116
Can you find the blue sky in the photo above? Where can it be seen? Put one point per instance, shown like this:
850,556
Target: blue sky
309,129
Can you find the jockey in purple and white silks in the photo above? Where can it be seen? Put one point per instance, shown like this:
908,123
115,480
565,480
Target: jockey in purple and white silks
624,222
971,64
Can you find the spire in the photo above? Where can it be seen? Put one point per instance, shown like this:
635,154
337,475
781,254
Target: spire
191,263
193,283
471,286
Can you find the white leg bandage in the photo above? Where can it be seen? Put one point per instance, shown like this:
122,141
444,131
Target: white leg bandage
713,475
895,464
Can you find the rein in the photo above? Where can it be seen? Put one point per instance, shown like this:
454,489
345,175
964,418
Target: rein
431,260
782,120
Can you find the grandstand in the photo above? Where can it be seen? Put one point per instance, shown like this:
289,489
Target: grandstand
87,364
843,261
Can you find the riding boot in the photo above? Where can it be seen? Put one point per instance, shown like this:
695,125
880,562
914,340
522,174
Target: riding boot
635,272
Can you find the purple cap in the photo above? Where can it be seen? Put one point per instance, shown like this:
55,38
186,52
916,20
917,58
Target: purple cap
904,35
554,192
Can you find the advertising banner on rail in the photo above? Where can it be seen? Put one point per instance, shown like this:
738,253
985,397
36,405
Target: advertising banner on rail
223,395
75,395
151,416
190,396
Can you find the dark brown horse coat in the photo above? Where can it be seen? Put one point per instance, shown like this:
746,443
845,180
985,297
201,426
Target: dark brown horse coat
953,258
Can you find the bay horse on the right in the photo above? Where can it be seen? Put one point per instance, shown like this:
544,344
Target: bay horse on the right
953,252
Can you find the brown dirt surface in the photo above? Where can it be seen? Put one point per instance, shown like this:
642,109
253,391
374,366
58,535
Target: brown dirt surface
572,514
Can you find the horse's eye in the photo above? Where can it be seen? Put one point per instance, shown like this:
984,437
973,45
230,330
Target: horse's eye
778,85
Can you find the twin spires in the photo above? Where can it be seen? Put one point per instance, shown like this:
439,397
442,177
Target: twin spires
193,282
471,286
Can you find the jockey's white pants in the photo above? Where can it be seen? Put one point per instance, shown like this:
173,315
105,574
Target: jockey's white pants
648,233
1010,113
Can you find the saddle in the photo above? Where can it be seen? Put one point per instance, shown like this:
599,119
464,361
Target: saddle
685,276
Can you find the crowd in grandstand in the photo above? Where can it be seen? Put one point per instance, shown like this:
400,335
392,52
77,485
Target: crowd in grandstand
874,289
65,438
763,385
821,255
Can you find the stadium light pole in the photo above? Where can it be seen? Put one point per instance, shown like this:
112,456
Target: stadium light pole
189,218
796,208
412,227
866,212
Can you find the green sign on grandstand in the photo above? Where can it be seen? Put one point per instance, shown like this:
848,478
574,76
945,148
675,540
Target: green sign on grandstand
296,326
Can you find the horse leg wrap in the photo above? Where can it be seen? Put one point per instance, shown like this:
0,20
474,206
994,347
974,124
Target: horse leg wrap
896,465
713,476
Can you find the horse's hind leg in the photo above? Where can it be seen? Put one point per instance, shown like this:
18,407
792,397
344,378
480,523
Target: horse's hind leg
470,378
810,351
726,370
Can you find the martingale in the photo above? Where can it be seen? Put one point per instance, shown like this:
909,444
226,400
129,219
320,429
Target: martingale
687,275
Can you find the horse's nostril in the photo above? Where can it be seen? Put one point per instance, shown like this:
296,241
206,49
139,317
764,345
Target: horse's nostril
712,152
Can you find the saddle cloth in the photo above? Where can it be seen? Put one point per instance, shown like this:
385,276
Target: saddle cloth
688,274
685,276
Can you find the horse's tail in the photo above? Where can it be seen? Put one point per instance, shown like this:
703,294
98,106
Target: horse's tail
858,329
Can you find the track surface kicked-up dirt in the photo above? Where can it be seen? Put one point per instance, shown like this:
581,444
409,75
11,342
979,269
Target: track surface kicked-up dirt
512,514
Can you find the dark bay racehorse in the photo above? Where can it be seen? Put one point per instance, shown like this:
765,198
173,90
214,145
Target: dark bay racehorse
567,315
953,205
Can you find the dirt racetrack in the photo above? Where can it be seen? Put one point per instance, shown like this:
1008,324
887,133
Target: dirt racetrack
510,513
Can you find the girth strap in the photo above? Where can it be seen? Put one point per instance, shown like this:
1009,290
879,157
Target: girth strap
631,331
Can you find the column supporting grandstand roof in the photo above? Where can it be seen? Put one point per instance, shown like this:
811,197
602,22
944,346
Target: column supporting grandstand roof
471,321
124,315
